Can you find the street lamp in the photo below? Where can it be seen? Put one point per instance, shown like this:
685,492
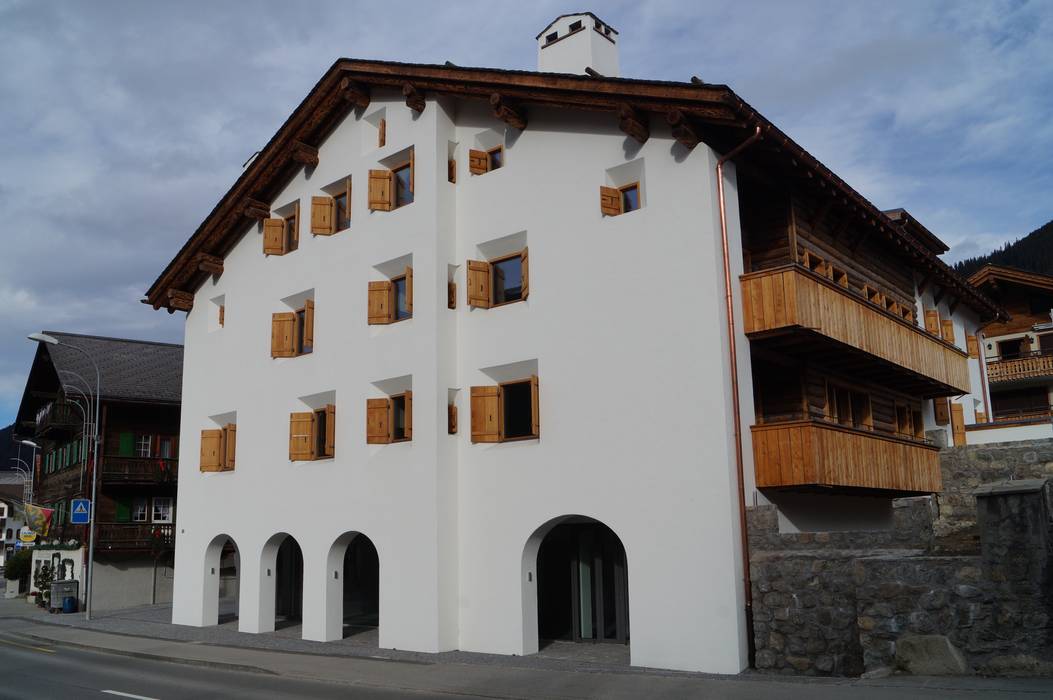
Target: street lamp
26,472
52,340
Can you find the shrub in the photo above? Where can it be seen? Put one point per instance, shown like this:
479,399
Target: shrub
18,565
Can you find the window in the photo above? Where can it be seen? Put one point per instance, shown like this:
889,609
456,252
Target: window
848,407
140,511
549,38
496,156
391,300
218,449
391,189
312,434
292,332
162,512
620,200
166,448
143,443
282,235
331,213
508,411
575,26
389,419
480,162
630,197
342,208
292,231
1010,349
403,185
498,282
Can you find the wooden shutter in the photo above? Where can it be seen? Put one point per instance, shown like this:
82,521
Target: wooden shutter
451,419
535,407
412,167
302,442
378,423
409,415
932,321
330,430
610,201
283,334
981,417
274,236
451,170
380,306
478,162
322,216
973,345
451,295
308,324
211,450
957,424
479,284
409,290
382,133
947,328
222,314
486,414
525,273
381,190
230,442
941,410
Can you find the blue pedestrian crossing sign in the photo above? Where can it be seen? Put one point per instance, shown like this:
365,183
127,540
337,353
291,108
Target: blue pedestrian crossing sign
79,511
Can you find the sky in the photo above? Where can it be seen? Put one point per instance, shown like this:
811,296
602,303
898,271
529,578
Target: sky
122,123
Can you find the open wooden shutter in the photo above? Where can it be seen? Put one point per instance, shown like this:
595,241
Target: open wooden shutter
973,346
932,321
947,328
382,133
211,450
274,236
330,430
381,190
478,284
610,201
378,423
412,167
981,417
308,324
380,306
302,428
409,415
525,272
451,295
535,407
941,410
322,219
451,170
478,162
230,443
409,290
958,424
222,314
451,419
283,334
486,414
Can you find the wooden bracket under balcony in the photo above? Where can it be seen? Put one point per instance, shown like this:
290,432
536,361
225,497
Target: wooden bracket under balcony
509,114
683,132
305,154
178,300
212,264
355,93
255,209
414,99
633,123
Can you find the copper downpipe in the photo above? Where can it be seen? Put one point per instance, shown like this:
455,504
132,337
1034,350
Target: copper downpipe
751,646
981,342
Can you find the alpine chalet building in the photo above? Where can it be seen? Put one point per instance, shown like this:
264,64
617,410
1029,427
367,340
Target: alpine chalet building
459,361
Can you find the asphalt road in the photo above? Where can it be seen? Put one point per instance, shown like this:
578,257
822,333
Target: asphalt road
30,670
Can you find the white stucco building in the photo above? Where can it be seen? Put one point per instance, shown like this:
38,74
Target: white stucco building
458,360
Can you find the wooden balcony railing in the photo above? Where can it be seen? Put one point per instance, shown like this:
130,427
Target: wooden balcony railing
791,298
58,415
815,453
1041,414
1035,365
140,536
138,470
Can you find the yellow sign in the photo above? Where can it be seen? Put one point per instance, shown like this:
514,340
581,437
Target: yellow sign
27,535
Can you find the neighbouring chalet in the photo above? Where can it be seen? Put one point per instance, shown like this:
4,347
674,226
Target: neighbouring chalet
137,461
504,354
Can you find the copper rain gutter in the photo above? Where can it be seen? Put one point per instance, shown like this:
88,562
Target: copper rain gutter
733,359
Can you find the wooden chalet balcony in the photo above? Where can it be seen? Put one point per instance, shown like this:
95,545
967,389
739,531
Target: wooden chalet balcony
807,453
136,536
138,470
58,416
798,311
1035,365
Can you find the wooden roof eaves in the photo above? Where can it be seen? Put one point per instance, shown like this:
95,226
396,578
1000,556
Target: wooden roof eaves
991,273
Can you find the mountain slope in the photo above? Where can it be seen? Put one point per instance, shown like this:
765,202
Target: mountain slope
1033,252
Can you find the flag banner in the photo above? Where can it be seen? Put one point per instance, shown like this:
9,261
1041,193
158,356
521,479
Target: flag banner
38,519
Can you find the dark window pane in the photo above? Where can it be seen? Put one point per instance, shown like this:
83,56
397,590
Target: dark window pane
398,418
403,194
497,158
517,410
508,280
292,237
631,199
340,211
401,308
575,26
551,37
304,349
319,434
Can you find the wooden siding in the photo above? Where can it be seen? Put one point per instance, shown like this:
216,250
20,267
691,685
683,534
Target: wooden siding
1032,367
813,453
789,297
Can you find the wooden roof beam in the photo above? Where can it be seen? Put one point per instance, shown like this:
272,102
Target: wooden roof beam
414,99
683,132
924,282
938,295
355,93
255,209
509,114
633,123
210,263
304,154
179,300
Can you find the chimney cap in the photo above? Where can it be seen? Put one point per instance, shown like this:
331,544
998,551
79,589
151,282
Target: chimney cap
574,14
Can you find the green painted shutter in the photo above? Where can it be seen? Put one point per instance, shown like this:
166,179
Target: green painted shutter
124,508
127,448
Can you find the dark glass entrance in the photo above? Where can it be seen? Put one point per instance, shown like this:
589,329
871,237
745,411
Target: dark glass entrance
288,590
361,585
582,585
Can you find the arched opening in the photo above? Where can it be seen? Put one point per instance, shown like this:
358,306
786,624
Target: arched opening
288,584
222,581
582,584
353,605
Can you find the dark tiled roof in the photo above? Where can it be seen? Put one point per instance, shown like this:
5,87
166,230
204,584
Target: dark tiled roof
134,370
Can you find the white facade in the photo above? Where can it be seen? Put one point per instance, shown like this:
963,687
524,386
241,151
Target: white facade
573,43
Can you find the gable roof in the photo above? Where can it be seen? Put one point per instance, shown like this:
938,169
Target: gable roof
990,275
574,14
702,112
924,236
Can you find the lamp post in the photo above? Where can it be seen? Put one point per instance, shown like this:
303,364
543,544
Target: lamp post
51,340
32,464
26,472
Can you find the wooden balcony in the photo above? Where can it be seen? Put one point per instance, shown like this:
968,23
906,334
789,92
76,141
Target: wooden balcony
58,417
798,311
138,470
1037,365
810,453
136,536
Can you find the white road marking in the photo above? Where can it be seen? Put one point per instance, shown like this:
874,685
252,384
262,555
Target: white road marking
126,695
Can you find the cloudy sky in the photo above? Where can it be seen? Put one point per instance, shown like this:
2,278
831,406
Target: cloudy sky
122,123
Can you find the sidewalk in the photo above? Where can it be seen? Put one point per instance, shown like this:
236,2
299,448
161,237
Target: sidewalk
480,674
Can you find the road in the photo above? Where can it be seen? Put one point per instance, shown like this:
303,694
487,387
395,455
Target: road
33,670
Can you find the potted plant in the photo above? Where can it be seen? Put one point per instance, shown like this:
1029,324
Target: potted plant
42,580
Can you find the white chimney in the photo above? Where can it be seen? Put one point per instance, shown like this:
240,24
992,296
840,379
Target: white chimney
572,43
